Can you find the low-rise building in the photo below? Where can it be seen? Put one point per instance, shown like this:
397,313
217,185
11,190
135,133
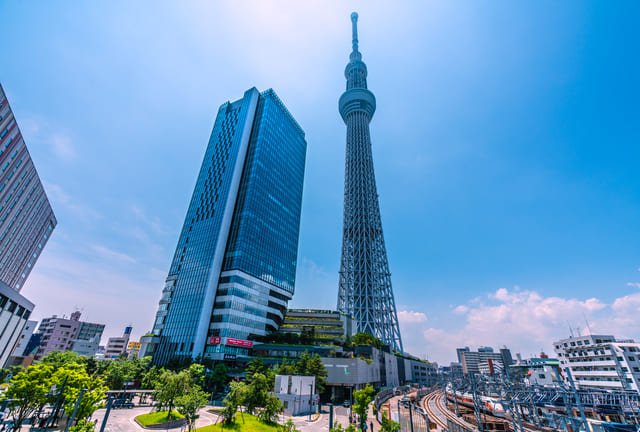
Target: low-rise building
62,334
541,371
24,338
297,394
117,346
133,349
15,311
600,362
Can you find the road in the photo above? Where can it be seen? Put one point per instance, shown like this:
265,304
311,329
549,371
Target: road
122,420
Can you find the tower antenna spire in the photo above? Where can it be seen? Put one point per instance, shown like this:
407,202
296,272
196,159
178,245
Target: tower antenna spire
354,31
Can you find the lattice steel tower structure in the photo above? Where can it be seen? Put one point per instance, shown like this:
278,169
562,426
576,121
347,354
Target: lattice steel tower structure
365,290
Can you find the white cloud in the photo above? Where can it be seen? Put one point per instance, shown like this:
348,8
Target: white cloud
525,321
460,310
633,284
62,147
411,317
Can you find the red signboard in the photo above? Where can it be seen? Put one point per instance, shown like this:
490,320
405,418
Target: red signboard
239,343
214,340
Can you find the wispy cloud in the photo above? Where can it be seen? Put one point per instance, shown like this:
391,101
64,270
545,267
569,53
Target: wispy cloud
151,222
62,147
59,197
110,254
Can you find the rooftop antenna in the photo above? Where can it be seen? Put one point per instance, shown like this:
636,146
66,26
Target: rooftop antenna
587,323
355,54
570,329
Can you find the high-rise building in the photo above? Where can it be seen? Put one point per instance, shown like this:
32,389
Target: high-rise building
26,217
365,290
26,223
484,361
234,267
600,362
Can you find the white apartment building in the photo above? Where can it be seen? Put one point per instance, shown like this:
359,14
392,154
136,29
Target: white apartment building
600,362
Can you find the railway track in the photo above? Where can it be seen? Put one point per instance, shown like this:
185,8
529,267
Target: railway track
435,406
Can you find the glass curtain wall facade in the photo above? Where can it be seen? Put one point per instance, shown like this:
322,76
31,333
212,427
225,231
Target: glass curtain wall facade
26,217
234,268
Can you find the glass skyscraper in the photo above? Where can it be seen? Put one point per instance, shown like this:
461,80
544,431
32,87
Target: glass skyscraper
234,267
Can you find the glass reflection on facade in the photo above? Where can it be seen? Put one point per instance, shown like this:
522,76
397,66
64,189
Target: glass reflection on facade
234,268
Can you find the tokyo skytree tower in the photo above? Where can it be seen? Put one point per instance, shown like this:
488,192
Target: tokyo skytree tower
365,290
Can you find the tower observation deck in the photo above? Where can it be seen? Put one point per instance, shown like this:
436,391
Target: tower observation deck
365,290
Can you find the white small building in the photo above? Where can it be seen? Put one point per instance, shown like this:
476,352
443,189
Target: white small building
601,362
297,393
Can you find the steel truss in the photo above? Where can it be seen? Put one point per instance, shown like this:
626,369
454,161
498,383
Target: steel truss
365,291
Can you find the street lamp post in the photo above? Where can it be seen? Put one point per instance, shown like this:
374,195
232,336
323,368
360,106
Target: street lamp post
106,414
75,410
310,396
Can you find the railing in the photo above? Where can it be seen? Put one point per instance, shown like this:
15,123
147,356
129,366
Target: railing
380,399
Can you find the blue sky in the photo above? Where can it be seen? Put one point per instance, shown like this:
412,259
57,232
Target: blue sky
505,147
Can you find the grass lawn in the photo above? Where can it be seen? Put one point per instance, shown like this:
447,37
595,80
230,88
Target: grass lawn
251,424
157,417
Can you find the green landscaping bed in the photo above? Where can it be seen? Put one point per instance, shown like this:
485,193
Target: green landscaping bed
251,424
158,418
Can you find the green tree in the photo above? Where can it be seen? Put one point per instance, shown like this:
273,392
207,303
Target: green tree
218,377
256,392
78,379
271,408
118,372
83,426
286,368
255,366
151,377
366,339
196,374
190,403
289,426
7,373
169,387
232,400
311,365
389,425
363,398
27,392
58,359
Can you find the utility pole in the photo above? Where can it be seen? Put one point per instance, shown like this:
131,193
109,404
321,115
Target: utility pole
476,404
577,397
